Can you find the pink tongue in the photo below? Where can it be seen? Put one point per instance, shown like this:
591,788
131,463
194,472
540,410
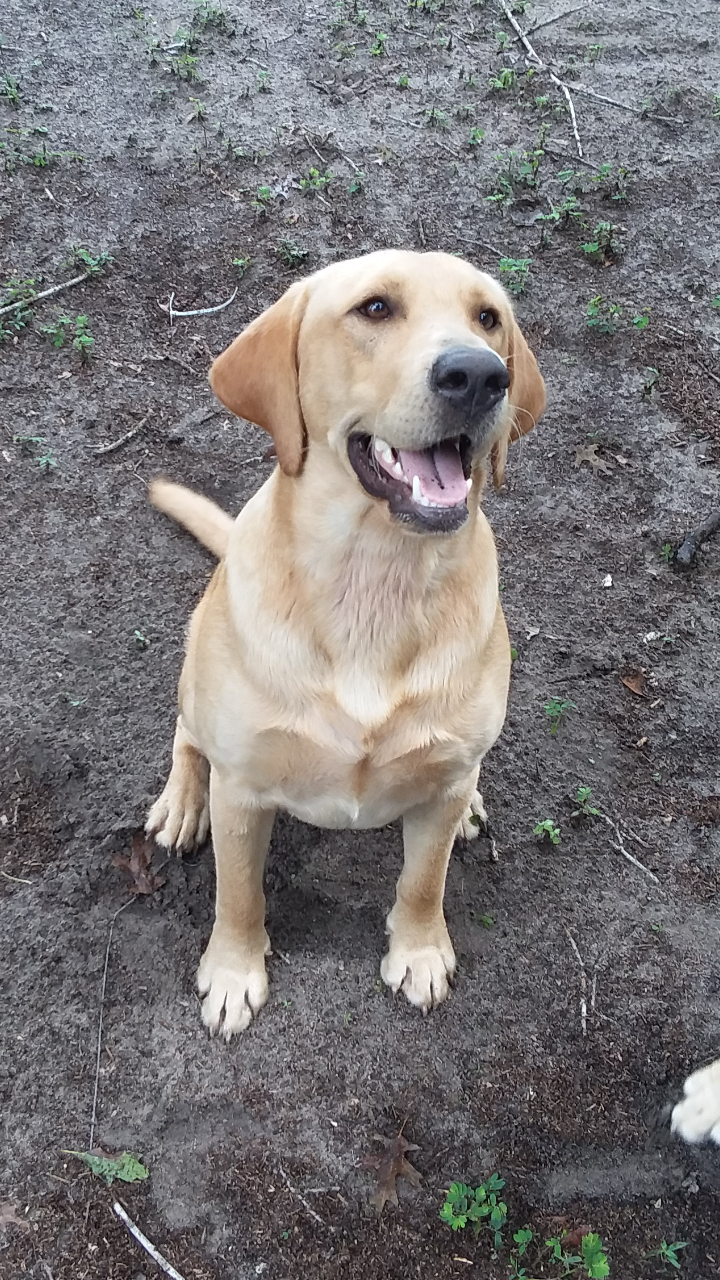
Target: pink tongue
439,471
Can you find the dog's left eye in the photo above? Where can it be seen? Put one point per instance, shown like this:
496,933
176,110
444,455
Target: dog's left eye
375,309
489,319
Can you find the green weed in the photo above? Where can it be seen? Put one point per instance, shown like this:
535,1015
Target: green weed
92,263
436,119
292,254
211,15
378,48
476,136
403,81
515,273
715,108
556,709
356,183
603,316
667,552
605,246
125,1167
345,50
16,290
264,82
592,1259
667,1253
641,319
592,53
547,830
241,265
715,302
315,182
585,809
479,1207
57,331
504,80
10,90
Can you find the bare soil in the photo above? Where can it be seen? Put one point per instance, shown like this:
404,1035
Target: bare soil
97,590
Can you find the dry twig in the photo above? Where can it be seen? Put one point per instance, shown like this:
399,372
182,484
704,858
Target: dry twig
537,61
621,848
147,1245
99,449
303,1201
93,1117
686,552
198,311
558,17
583,983
46,293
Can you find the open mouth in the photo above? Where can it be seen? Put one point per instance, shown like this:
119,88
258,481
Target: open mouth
427,488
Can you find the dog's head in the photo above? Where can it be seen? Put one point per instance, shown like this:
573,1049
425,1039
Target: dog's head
409,367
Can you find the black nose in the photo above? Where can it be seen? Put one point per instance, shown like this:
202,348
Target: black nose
471,379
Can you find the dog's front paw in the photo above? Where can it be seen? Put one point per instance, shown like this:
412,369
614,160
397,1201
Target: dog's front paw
420,963
234,984
180,818
697,1116
473,820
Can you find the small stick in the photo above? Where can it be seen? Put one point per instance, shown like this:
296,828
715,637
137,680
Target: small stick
558,17
583,983
46,293
537,61
593,993
302,1200
615,102
15,879
685,554
198,311
314,148
99,449
182,364
482,244
100,1023
147,1245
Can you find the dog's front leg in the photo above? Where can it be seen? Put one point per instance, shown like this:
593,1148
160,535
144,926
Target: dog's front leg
420,958
231,976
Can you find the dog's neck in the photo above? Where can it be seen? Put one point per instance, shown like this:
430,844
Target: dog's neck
376,582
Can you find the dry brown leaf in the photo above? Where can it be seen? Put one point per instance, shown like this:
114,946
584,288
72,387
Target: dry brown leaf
588,453
635,682
389,1165
9,1217
138,865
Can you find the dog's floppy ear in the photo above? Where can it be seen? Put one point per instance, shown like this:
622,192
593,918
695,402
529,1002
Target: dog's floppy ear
526,396
257,377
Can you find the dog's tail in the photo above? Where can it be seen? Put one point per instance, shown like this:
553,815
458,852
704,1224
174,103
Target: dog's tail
203,518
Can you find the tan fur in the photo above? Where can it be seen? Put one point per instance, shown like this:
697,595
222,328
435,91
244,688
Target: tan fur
341,666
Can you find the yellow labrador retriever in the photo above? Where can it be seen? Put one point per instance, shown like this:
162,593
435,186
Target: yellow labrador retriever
349,661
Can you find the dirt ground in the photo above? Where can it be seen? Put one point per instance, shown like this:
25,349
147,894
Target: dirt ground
254,1150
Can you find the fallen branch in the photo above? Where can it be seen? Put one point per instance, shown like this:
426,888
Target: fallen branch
558,17
534,58
46,293
198,311
688,549
624,106
583,983
147,1245
99,449
303,1201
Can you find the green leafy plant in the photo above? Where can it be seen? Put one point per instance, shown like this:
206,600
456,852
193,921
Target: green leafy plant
504,80
585,809
403,81
262,200
292,254
345,50
356,183
715,302
264,82
57,331
83,342
515,273
715,109
641,319
592,53
378,48
556,709
124,1167
315,182
476,136
605,246
93,263
10,90
547,830
603,316
436,119
592,1259
478,1207
667,1253
13,291
241,265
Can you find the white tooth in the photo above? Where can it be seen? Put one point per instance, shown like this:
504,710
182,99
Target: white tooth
388,456
416,492
381,446
397,470
469,484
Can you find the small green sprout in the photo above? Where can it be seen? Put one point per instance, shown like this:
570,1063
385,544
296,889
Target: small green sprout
476,136
83,341
10,90
141,640
547,830
667,552
315,181
48,461
715,302
403,81
715,109
585,809
93,263
605,246
668,1252
603,316
378,48
436,119
264,82
504,80
292,254
641,319
514,273
356,183
555,709
241,265
56,332
479,1206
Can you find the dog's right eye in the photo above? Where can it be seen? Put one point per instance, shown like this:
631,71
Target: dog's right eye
375,309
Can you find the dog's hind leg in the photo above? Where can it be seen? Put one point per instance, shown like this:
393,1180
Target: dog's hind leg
180,818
